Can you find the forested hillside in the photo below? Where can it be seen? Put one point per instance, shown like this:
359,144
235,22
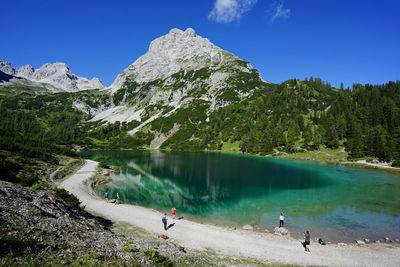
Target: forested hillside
290,117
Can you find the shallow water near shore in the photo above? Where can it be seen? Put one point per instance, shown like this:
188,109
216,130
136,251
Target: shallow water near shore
336,203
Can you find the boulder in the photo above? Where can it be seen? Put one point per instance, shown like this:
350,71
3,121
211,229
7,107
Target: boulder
281,231
247,227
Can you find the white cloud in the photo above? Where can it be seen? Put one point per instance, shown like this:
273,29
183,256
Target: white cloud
226,11
279,12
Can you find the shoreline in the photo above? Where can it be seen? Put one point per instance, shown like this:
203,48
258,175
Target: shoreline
266,247
335,161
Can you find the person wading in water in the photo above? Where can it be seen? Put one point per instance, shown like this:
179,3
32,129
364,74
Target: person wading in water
281,221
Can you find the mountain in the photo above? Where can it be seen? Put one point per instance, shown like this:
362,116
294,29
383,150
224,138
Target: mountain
55,77
180,72
178,50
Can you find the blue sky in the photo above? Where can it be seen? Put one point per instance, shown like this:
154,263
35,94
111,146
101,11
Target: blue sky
338,41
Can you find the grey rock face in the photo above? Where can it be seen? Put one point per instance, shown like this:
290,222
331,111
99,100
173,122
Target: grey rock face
171,53
25,71
6,67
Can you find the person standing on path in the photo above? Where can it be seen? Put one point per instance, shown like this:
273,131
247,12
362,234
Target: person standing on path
281,221
164,221
106,196
117,199
173,210
307,239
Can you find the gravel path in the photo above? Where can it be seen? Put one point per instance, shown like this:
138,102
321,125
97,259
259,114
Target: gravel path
266,247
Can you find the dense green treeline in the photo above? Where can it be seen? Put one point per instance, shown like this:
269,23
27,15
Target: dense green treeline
303,115
291,117
298,115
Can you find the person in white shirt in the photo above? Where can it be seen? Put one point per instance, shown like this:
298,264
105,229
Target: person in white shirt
281,221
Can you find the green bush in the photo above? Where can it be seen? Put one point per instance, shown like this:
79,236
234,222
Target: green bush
29,180
158,259
70,199
8,170
396,163
130,249
36,187
104,165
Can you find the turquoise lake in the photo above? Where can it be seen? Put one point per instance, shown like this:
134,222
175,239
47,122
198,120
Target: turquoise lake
336,203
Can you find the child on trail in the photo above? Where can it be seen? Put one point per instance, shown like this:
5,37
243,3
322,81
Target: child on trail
173,212
164,221
106,196
307,239
281,221
117,199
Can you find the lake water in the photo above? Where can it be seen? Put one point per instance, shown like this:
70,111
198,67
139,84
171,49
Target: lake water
336,203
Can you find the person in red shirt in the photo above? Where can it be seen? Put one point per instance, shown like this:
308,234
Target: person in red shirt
173,212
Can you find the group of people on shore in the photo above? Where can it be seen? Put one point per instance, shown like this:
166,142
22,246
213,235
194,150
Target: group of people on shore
164,220
116,197
307,236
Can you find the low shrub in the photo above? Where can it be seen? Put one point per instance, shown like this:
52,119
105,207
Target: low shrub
158,259
70,199
36,187
130,249
396,163
104,165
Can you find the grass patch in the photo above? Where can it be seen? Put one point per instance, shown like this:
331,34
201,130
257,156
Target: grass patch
231,147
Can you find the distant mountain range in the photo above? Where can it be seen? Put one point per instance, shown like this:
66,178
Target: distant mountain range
55,77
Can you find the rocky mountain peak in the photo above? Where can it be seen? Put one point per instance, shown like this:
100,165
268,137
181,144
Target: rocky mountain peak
171,53
6,67
24,71
49,70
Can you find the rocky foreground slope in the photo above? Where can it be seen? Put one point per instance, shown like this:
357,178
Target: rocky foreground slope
37,227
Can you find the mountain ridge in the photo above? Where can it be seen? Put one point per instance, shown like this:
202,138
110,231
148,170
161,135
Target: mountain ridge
53,76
